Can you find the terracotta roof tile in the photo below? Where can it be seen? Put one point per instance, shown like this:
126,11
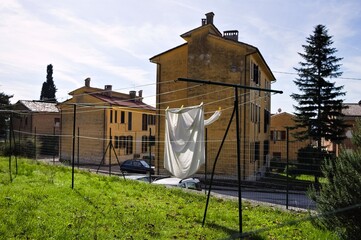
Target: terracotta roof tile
115,101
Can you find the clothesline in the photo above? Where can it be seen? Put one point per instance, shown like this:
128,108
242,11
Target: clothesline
184,148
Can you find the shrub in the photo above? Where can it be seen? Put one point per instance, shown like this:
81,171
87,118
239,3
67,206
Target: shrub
292,171
26,148
339,200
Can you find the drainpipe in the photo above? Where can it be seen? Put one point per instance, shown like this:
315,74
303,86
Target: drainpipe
159,67
245,113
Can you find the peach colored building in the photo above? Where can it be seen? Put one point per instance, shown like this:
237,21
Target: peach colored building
278,138
207,54
104,116
351,114
38,121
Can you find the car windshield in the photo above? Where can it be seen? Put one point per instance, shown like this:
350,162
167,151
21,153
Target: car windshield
145,164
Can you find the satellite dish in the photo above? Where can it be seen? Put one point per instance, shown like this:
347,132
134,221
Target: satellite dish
279,110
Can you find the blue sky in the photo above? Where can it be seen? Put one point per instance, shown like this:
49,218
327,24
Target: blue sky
111,41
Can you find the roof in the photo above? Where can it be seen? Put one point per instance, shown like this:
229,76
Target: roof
39,106
216,33
213,28
282,114
169,50
354,109
116,101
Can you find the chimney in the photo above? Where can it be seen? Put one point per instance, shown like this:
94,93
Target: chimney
231,35
209,17
87,82
108,90
132,95
140,95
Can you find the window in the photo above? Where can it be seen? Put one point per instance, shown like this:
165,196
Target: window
129,145
265,150
115,116
116,141
144,144
266,120
111,116
256,74
256,151
152,140
144,122
122,117
151,119
56,122
259,118
255,113
278,135
130,121
122,141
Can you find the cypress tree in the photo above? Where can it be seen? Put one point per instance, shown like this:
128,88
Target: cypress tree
48,89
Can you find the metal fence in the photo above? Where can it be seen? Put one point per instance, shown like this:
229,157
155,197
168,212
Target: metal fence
264,177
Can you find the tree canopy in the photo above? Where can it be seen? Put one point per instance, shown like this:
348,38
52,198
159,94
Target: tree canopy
48,89
319,109
4,105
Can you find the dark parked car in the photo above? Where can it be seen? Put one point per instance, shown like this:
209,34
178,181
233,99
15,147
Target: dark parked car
136,166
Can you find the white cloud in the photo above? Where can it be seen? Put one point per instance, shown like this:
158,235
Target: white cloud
112,42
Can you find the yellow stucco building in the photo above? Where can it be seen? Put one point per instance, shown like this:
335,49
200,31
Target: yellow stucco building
207,54
278,138
103,117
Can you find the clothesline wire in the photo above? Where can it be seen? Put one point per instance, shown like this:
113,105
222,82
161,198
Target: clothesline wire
81,136
82,107
86,105
101,104
176,100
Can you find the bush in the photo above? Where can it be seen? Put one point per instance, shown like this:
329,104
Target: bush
277,165
310,160
49,145
339,200
26,148
292,171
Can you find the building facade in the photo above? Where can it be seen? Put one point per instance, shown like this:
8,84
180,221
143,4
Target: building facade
109,126
351,115
38,122
210,55
281,143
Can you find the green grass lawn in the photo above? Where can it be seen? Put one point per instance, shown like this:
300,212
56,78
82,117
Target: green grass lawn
40,204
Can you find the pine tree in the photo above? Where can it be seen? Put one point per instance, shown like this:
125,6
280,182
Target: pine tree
339,200
48,89
319,110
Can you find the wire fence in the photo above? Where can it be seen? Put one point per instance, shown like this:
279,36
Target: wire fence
278,173
271,171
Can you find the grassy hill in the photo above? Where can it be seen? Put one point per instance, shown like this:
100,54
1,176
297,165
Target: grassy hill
40,204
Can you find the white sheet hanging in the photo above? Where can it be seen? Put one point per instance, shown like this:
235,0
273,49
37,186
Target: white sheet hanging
184,139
